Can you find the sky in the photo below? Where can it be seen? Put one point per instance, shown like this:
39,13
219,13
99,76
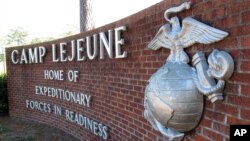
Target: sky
40,18
50,18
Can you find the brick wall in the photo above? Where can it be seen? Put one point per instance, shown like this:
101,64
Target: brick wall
117,85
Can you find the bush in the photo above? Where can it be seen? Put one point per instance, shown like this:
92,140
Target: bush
3,94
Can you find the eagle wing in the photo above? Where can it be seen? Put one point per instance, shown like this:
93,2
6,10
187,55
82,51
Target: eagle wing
194,31
160,39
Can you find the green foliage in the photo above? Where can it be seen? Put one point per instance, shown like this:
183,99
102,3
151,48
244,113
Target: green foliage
1,50
35,40
39,40
69,30
3,94
1,57
17,36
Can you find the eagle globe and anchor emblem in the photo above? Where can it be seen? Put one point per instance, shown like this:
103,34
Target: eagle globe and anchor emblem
173,100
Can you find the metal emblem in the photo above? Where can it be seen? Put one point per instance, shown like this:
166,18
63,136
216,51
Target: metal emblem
173,103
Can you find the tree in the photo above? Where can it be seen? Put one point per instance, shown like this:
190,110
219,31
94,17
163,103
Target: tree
1,50
1,57
16,37
35,40
69,30
86,20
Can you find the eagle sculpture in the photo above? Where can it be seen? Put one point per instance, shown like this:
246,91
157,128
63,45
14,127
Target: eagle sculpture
176,37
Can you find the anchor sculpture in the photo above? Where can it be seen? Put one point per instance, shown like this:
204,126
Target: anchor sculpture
173,100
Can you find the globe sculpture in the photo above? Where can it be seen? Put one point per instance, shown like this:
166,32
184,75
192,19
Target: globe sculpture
173,97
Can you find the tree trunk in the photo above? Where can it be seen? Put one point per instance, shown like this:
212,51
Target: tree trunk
86,20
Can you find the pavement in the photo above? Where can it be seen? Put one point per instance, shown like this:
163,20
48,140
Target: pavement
13,129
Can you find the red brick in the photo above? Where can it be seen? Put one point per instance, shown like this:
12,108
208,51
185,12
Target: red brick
219,12
245,30
235,31
214,116
234,120
202,7
227,22
227,109
201,138
245,41
244,65
237,6
239,101
240,77
245,90
231,89
245,17
228,43
209,105
236,54
226,139
212,135
245,114
206,122
221,128
219,3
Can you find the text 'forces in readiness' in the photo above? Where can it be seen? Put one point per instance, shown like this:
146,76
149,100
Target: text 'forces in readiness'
93,126
79,52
